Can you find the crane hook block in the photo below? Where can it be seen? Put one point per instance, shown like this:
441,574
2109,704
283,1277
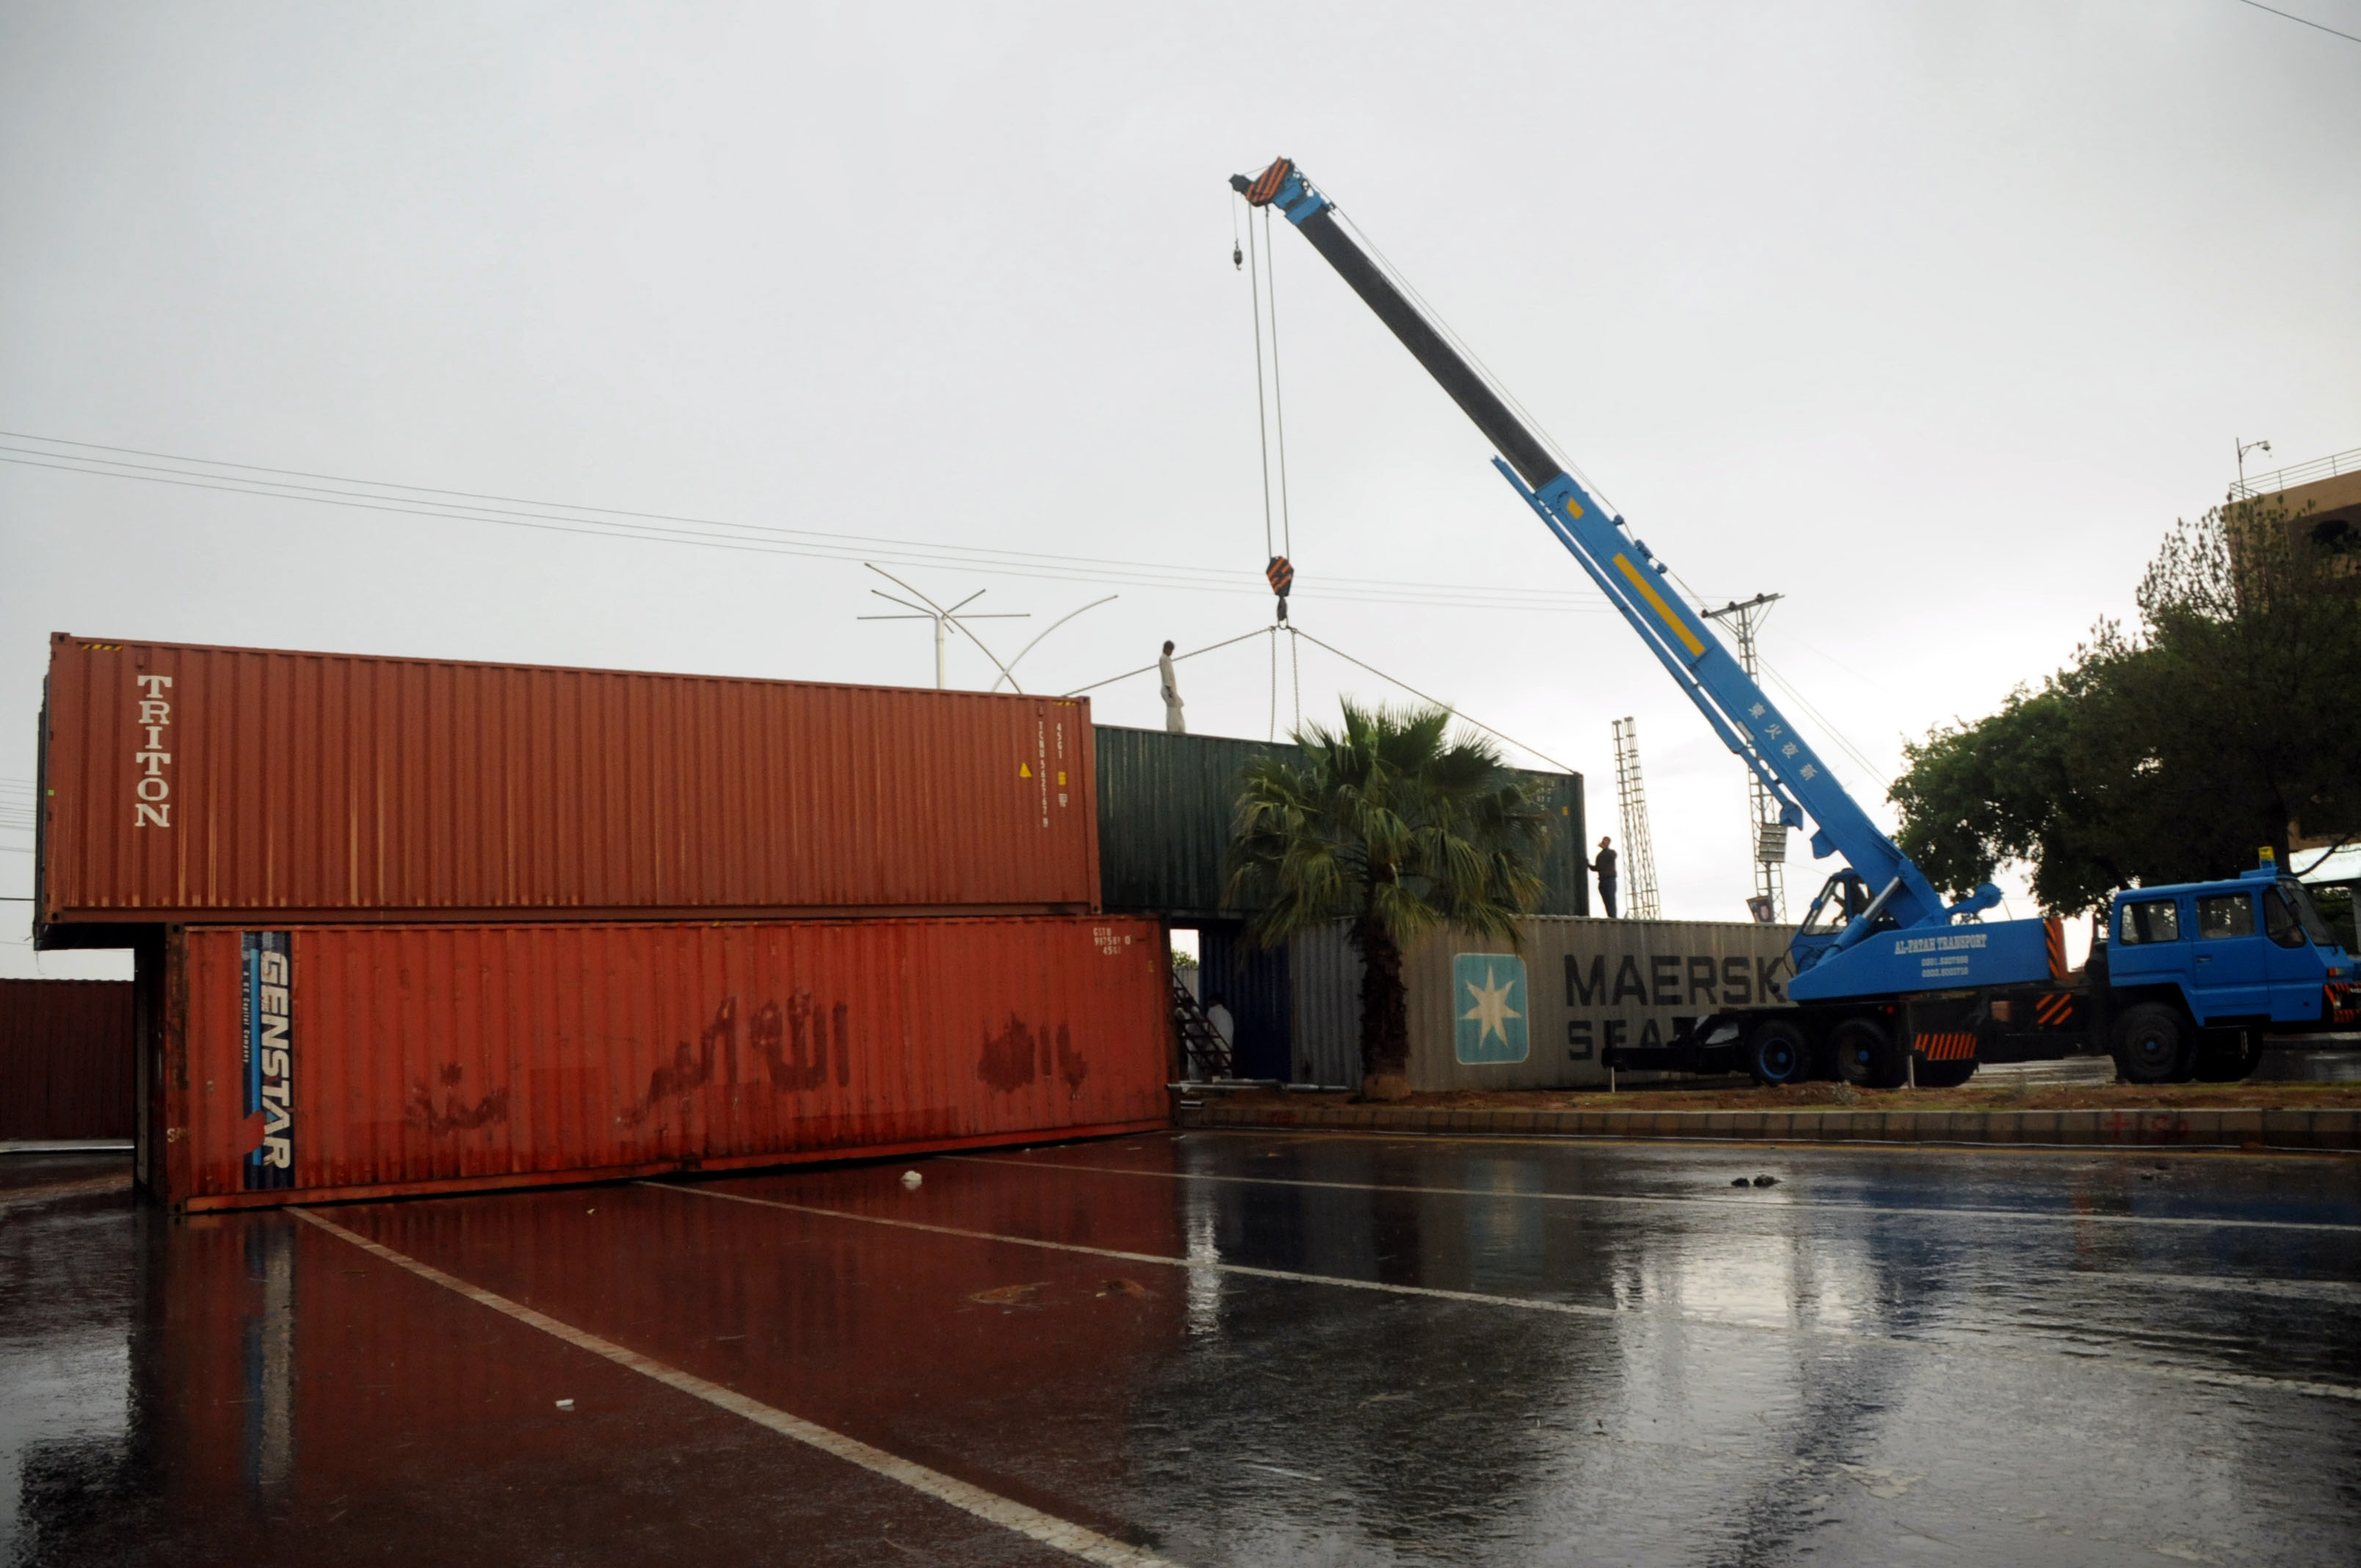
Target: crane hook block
1280,574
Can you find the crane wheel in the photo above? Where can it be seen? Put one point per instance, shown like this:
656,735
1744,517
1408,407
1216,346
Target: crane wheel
1865,1054
2154,1044
1777,1052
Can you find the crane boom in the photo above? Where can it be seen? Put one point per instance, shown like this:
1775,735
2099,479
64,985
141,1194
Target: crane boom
1739,710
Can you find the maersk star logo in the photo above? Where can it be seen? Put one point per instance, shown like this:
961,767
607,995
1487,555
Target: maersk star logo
1491,1025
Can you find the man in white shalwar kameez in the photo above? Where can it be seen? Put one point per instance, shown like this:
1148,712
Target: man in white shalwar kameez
1173,723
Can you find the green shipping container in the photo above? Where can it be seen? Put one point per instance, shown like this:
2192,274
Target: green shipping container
1165,804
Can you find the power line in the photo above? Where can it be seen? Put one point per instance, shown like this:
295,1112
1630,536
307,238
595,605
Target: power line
560,517
2307,21
1875,774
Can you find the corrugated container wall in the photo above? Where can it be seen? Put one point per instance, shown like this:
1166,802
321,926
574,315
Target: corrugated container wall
1165,804
190,783
66,1059
325,1061
1535,1013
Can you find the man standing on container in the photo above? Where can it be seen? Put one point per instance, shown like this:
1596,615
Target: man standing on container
1604,866
1173,723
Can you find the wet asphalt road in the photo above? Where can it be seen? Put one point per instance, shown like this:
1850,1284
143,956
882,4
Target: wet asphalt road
1210,1349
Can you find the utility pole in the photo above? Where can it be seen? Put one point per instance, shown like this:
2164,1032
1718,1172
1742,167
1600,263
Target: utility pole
1638,848
1766,835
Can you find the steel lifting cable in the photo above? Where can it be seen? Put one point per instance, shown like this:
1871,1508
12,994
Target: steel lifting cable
1286,513
1262,417
1271,732
1437,701
1278,398
1295,662
1177,658
1499,388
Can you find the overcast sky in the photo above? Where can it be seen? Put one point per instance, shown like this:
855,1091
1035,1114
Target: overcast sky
1930,316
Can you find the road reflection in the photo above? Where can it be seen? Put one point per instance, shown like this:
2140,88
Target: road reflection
1228,1350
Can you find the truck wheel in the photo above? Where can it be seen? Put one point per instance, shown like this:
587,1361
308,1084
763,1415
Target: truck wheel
2152,1045
1945,1074
1865,1055
1776,1052
2227,1056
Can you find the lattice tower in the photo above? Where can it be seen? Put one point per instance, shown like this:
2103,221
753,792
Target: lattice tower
1766,836
1640,898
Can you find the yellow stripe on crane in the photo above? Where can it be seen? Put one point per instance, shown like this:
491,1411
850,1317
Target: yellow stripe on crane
1656,602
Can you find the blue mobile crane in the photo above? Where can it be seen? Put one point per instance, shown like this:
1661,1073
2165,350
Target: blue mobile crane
1890,981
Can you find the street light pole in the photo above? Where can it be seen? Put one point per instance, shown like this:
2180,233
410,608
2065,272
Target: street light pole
2245,447
944,619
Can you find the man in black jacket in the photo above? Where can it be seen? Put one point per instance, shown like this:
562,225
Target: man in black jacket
1603,868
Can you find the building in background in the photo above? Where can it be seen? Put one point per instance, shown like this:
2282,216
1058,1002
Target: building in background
2321,501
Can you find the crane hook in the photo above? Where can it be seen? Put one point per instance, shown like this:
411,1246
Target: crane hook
1237,257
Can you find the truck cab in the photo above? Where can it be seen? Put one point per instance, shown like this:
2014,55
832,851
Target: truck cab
2252,954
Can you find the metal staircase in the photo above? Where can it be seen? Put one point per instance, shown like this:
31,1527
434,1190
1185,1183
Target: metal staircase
1202,1046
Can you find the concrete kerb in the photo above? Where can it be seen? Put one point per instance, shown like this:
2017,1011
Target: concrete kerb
2142,1127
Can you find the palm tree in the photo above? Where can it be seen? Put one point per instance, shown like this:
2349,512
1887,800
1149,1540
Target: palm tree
1393,826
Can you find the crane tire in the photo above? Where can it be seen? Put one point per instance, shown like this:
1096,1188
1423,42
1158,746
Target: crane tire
2154,1044
1777,1052
1865,1054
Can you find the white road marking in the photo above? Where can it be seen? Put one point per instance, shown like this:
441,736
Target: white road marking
1516,1303
1046,1529
1568,1309
1759,1204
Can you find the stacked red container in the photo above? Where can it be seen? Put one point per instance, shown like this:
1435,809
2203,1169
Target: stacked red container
640,881
225,783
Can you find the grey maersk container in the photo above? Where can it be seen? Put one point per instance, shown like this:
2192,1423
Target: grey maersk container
1165,806
1535,1013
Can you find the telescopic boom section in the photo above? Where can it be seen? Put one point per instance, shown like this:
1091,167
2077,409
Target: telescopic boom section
1745,717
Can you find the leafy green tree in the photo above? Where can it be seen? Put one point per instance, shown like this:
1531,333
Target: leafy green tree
2171,752
1390,823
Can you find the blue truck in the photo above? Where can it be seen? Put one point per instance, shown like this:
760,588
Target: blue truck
1891,983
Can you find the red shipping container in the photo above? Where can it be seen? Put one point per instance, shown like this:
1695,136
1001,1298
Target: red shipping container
325,1062
65,1059
217,783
